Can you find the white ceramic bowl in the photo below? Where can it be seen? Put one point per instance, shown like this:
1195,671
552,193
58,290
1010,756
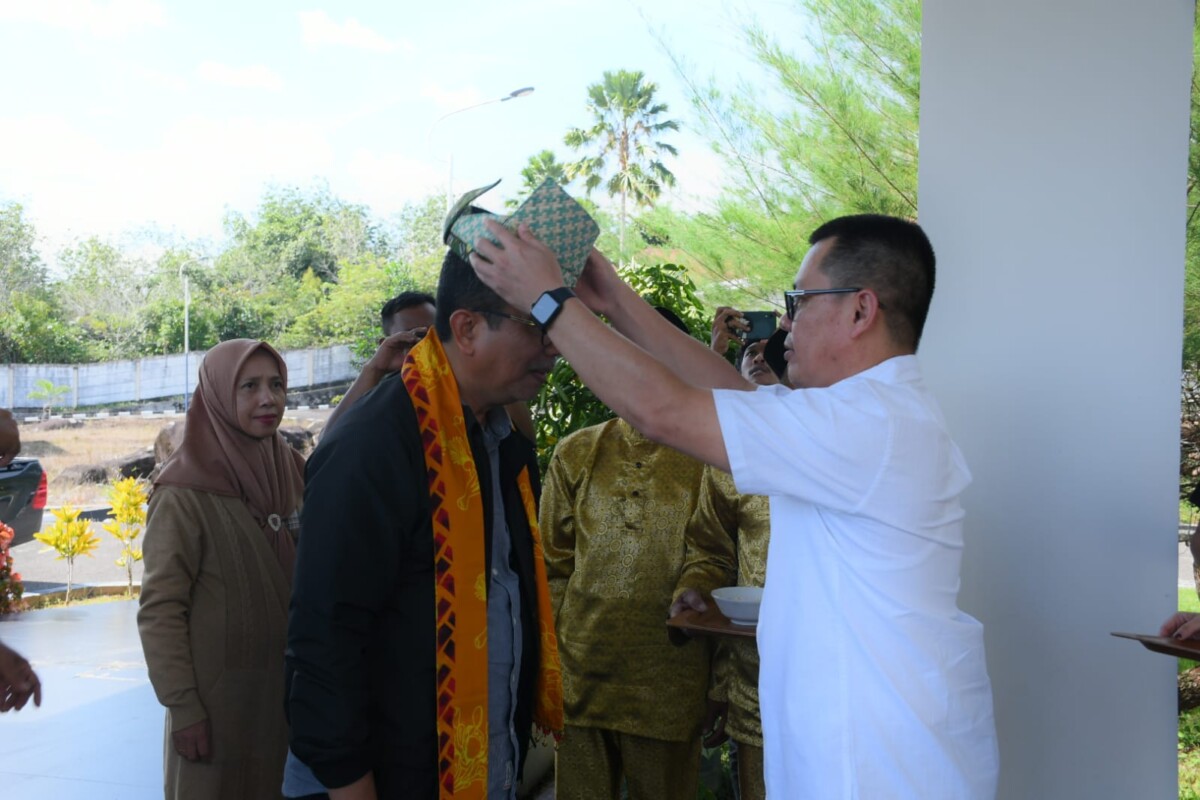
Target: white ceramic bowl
739,603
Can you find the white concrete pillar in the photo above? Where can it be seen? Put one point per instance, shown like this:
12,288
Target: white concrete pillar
1052,181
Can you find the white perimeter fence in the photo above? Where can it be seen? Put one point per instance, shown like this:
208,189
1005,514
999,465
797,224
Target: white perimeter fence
154,378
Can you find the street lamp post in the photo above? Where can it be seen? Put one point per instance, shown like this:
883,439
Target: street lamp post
187,299
514,94
187,318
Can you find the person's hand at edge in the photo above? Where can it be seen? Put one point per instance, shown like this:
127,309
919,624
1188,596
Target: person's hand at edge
194,742
1181,625
10,438
689,599
712,733
390,355
599,285
727,322
18,681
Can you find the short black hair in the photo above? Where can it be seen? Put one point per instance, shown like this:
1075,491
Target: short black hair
459,287
400,302
889,255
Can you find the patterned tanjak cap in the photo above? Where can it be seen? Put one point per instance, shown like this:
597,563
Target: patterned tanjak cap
556,218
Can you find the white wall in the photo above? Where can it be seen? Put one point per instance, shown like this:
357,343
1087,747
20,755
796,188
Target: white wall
1052,182
154,377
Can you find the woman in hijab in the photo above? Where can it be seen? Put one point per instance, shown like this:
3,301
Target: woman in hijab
219,550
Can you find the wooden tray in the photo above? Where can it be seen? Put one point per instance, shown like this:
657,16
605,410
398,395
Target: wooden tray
711,622
1180,648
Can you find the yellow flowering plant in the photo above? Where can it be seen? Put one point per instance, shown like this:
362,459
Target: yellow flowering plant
128,497
69,536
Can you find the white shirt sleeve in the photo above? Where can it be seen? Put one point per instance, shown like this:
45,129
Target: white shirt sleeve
827,446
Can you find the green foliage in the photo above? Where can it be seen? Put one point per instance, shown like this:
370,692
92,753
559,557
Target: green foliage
33,330
813,138
625,151
48,393
102,295
162,326
21,268
564,404
1189,459
294,232
70,537
419,248
347,312
1191,308
128,497
541,166
716,774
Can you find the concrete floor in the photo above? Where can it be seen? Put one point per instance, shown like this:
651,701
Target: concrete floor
98,733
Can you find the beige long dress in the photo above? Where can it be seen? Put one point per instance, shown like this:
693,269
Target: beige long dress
213,624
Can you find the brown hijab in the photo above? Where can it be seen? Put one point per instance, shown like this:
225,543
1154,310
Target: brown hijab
217,456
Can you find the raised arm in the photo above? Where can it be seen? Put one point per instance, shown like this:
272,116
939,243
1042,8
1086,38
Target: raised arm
388,357
670,404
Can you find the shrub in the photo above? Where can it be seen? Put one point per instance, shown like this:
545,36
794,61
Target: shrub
11,588
69,536
128,498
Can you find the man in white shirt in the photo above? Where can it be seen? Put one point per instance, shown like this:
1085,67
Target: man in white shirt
873,683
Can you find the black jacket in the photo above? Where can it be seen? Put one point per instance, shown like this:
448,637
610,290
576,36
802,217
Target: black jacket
361,657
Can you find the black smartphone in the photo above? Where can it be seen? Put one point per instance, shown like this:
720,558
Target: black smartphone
762,325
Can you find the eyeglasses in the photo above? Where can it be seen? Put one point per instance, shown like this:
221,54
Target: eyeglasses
792,298
528,322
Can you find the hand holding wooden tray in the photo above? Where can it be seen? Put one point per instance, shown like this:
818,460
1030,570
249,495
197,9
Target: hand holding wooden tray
711,621
1180,648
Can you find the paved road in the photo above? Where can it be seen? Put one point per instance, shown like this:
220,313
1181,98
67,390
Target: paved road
42,571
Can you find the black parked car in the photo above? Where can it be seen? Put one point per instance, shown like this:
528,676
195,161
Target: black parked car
22,498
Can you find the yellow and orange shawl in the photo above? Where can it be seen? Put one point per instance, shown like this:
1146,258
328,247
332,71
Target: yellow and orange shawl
460,581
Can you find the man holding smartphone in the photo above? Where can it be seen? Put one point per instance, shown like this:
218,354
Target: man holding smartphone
873,683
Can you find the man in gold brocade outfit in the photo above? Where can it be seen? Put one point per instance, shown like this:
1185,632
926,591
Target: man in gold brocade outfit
745,518
735,666
614,515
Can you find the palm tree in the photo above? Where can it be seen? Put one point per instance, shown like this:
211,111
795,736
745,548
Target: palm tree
541,166
626,125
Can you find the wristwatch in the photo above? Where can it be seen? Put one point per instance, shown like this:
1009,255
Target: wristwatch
547,307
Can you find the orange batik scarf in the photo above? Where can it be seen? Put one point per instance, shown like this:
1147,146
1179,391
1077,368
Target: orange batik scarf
460,581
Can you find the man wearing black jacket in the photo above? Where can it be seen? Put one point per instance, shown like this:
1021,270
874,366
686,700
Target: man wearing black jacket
366,641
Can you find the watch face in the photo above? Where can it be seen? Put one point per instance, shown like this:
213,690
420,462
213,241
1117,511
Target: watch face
544,308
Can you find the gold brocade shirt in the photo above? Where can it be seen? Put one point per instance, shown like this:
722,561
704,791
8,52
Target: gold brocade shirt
745,518
614,513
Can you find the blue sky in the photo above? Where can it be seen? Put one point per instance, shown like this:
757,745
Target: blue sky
123,115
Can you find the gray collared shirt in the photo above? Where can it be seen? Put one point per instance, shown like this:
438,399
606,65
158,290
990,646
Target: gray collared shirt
504,628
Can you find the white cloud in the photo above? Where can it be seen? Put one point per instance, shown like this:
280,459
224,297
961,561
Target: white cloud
318,29
255,76
75,185
110,20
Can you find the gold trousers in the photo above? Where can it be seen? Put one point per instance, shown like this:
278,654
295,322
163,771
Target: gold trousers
591,763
